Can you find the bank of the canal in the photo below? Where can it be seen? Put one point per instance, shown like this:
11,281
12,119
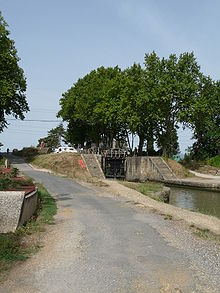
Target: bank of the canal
196,219
202,200
200,193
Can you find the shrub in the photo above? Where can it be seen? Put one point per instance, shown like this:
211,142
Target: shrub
5,183
215,161
27,152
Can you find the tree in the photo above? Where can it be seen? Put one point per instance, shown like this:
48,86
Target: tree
149,102
168,94
12,80
91,107
152,84
54,137
135,104
178,87
204,119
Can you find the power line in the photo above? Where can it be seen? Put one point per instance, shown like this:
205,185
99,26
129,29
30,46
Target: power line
25,131
44,111
35,120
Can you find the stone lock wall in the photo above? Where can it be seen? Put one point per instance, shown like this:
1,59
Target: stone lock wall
141,169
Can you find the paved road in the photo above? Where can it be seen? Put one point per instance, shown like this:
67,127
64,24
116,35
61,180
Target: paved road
103,244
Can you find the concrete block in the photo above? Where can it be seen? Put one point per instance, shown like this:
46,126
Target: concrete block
10,209
28,207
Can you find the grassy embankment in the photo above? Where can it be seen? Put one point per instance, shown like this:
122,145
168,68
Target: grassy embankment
147,188
18,246
66,164
179,170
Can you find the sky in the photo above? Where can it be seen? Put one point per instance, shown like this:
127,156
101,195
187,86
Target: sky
61,41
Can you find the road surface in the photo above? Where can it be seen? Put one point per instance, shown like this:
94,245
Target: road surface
106,244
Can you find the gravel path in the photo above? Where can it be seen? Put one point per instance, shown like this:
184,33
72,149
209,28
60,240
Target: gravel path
106,243
208,176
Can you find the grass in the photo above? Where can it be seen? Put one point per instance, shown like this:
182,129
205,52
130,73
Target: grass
17,246
146,188
47,206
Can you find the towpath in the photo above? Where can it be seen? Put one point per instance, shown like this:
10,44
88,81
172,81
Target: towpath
102,243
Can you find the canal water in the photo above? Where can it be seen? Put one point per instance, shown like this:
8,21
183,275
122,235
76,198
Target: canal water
207,202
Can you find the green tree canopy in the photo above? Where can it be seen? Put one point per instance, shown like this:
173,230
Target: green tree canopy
54,137
149,101
12,80
91,107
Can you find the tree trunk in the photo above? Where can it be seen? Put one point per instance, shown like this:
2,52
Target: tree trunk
150,144
129,143
198,154
140,146
132,141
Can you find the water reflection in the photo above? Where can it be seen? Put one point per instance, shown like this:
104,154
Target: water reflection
207,202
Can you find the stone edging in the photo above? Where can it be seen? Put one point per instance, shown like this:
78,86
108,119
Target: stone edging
195,184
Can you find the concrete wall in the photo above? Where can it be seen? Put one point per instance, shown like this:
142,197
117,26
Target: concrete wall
141,169
133,168
152,172
10,210
15,209
28,207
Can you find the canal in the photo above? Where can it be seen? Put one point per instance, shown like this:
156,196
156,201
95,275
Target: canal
207,202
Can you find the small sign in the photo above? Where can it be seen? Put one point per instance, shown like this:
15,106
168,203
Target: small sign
82,164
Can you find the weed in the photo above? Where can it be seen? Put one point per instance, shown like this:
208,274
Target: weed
168,217
205,234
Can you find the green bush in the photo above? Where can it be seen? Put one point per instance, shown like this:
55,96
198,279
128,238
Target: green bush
215,161
2,161
27,152
5,183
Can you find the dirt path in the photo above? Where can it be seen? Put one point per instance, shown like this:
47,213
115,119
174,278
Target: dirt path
207,176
